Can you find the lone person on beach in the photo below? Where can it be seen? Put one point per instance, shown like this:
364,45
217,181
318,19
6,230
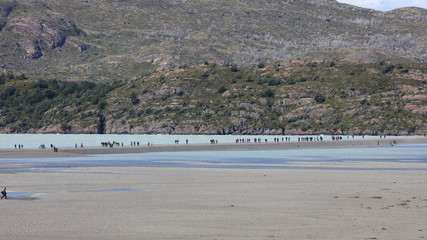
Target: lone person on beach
4,194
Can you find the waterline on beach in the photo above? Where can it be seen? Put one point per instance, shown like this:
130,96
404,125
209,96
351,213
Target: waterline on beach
375,158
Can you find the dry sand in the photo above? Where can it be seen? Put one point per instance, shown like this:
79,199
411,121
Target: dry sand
193,203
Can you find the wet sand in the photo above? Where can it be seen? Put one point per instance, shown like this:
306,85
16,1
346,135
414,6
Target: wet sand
188,203
216,203
73,152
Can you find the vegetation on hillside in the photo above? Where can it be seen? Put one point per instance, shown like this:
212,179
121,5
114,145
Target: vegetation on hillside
285,98
39,103
335,97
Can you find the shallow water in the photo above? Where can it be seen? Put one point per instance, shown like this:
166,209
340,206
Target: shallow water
20,196
413,156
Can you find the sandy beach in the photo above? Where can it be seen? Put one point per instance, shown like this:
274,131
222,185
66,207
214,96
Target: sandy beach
75,152
217,203
185,203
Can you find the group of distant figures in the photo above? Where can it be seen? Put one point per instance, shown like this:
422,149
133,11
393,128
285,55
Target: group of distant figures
111,144
81,145
20,146
212,141
41,146
177,141
55,149
277,140
335,138
248,140
310,139
392,143
136,143
118,144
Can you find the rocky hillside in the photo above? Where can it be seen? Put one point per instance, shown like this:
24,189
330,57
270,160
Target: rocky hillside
329,97
106,40
211,67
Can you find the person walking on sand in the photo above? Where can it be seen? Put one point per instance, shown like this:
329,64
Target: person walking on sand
4,194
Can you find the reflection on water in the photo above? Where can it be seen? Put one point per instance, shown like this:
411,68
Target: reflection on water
20,196
413,156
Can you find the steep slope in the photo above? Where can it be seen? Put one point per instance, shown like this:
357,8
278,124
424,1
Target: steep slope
110,39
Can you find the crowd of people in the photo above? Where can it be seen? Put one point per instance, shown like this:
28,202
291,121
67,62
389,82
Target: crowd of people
310,139
112,144
248,140
278,140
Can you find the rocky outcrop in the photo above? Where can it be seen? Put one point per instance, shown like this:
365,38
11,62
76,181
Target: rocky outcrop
32,47
42,32
50,130
79,46
5,10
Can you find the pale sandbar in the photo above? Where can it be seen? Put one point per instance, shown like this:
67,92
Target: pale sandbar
75,152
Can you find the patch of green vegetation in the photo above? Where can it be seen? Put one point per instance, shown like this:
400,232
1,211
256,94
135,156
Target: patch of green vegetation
35,103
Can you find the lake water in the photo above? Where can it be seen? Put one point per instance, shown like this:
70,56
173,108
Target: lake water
69,140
